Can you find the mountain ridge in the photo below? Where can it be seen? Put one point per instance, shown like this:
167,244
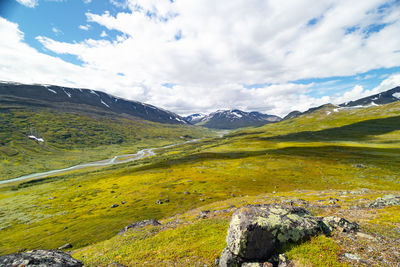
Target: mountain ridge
83,100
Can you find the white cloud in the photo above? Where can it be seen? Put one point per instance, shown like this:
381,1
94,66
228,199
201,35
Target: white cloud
57,31
28,3
210,50
87,1
103,34
84,27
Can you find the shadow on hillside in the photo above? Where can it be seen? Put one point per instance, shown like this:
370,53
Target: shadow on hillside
359,130
379,156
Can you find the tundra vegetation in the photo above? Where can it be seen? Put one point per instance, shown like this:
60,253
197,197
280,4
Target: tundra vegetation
349,155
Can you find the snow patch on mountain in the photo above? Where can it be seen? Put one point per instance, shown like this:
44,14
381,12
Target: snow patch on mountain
396,95
50,90
37,139
68,94
104,103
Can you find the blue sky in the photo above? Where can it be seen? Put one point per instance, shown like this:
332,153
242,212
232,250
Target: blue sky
193,56
59,20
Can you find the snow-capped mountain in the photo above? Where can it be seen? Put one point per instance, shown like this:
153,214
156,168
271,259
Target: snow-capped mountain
195,118
83,101
386,97
234,118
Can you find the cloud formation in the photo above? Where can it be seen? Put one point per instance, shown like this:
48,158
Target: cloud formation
189,56
28,3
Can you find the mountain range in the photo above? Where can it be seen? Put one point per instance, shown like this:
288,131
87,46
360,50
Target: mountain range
83,101
231,119
92,102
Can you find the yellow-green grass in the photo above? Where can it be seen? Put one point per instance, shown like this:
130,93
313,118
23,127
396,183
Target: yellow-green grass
247,162
187,240
193,244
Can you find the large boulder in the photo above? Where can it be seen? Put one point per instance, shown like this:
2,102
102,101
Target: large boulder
256,232
54,258
388,200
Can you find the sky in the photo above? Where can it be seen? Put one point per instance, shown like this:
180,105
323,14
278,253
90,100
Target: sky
191,56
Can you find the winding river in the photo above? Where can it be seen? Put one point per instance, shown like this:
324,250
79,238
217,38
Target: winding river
144,153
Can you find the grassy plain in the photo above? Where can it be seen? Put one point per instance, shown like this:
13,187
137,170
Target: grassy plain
328,149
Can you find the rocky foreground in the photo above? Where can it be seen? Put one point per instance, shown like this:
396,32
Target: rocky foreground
260,234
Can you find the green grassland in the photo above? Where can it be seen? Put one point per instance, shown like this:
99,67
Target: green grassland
72,138
344,150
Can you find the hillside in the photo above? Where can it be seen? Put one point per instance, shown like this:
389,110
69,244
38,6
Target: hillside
327,149
83,101
40,138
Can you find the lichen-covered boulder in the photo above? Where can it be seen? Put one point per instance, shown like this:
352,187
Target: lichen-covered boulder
332,222
40,258
388,200
255,232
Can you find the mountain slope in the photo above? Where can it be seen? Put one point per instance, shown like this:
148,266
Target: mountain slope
386,97
84,101
234,118
195,118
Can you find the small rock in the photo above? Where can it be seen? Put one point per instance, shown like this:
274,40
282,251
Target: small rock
54,258
51,198
216,261
332,222
203,214
365,236
186,192
201,199
352,256
166,200
139,225
123,202
283,261
233,195
66,246
333,201
114,205
79,186
159,202
388,200
361,166
273,192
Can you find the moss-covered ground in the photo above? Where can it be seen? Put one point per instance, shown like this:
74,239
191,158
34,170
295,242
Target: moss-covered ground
347,149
